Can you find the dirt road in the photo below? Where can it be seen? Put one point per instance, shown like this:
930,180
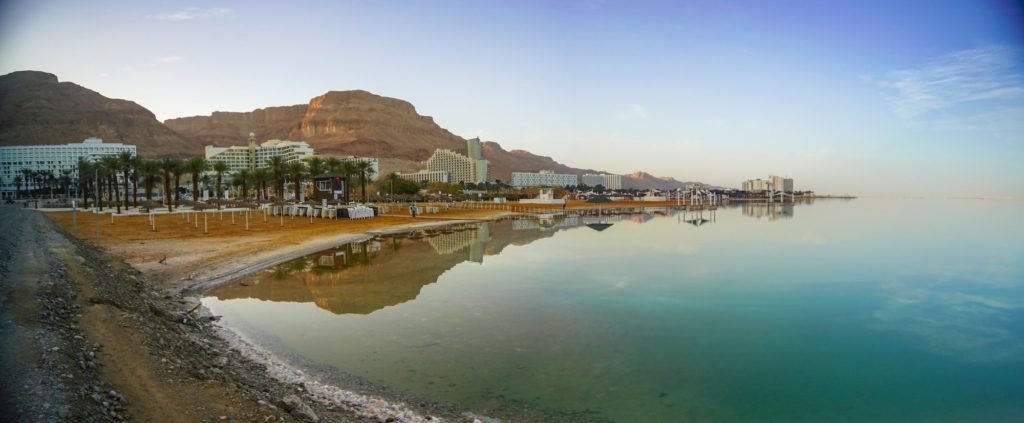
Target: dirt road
85,337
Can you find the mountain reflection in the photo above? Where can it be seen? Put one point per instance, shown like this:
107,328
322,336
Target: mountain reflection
364,277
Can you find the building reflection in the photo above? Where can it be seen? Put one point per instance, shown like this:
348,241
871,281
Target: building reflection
771,211
364,277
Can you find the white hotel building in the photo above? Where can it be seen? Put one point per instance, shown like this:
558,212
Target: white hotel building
544,178
52,158
607,181
254,156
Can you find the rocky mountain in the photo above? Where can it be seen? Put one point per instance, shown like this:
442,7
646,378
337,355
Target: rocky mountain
644,180
338,122
356,123
36,108
503,163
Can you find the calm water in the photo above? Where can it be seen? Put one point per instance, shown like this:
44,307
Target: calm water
864,310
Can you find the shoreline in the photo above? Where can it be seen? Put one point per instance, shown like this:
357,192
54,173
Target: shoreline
186,359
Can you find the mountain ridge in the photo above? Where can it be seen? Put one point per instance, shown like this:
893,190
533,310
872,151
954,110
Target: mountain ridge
38,106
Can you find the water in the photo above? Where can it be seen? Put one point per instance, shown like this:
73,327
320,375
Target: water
865,310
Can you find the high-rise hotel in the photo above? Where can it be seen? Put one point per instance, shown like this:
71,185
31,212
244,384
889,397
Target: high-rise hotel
54,159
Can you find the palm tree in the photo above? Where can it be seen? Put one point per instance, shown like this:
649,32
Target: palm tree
316,165
65,181
124,160
259,179
348,169
169,166
27,175
85,170
17,186
365,170
277,168
136,176
109,167
220,167
178,172
297,172
333,165
240,179
196,166
149,170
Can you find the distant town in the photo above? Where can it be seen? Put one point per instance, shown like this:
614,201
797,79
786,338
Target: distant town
290,170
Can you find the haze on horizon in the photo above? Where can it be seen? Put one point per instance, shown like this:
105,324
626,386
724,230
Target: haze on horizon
870,98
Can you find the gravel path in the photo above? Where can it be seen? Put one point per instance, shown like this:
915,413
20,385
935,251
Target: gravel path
47,367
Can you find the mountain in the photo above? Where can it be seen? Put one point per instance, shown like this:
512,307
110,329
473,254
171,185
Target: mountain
356,123
503,163
36,108
644,180
338,122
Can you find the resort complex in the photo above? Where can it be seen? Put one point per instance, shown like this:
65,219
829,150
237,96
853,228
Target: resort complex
455,166
544,178
28,167
253,156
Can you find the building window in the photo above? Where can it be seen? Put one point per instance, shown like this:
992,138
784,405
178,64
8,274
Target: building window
323,185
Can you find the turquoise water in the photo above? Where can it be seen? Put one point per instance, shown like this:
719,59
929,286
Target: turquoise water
864,310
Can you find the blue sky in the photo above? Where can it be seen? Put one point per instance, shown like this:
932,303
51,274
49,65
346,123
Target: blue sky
888,98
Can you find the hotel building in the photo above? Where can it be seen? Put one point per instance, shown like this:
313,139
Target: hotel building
254,156
607,181
462,166
426,175
544,178
51,158
775,183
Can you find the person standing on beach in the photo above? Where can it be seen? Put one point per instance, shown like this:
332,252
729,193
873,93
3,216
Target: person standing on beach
412,210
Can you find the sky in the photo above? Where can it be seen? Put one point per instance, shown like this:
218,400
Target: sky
861,97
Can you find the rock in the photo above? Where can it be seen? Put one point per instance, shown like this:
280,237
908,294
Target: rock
220,361
296,407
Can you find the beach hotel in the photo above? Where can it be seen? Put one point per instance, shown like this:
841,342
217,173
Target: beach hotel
54,159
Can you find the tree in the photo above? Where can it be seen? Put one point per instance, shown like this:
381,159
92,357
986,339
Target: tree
169,166
27,176
17,186
109,165
149,170
334,165
297,171
348,168
85,174
260,177
196,166
277,169
126,160
365,170
240,179
220,167
316,165
65,181
394,184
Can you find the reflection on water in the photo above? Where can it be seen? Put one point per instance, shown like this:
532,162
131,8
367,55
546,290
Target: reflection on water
364,277
839,311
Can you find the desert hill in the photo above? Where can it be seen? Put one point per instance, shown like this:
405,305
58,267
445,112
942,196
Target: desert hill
36,108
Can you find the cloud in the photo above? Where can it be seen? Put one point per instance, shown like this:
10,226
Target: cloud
980,76
194,13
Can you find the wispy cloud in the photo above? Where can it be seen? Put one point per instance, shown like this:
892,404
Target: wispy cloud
194,13
980,76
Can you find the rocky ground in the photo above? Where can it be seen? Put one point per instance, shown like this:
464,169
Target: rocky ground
85,337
